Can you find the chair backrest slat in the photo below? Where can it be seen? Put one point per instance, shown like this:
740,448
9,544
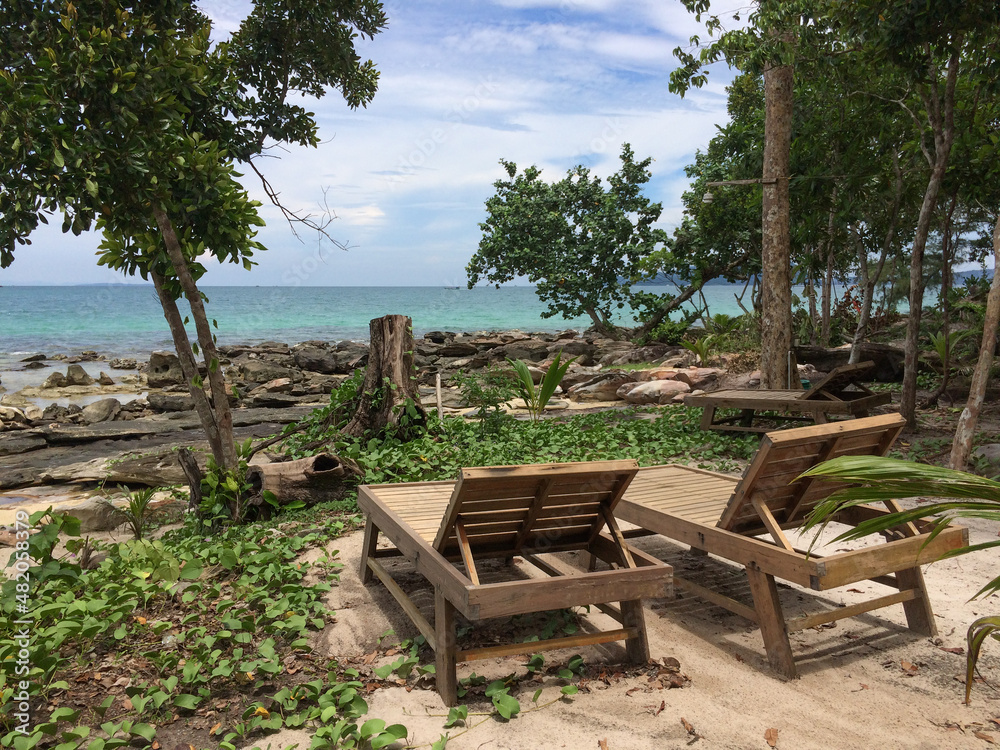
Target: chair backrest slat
510,508
785,454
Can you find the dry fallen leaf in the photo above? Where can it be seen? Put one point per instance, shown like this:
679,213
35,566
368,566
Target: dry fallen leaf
771,735
985,737
632,690
663,705
909,667
688,726
955,650
603,744
215,728
127,705
856,591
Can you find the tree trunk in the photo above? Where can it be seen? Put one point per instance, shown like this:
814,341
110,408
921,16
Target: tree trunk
316,479
944,300
189,367
940,114
871,279
828,278
776,298
389,390
221,415
961,447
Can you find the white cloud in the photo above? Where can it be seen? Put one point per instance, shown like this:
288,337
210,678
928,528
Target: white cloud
552,83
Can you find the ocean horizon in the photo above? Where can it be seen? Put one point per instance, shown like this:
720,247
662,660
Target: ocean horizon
120,320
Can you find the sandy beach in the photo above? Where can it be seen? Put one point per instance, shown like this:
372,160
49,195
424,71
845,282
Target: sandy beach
866,682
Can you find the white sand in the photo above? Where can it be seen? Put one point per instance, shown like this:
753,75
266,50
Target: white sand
853,691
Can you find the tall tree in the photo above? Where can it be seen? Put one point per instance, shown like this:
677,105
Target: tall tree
948,54
766,46
580,242
125,115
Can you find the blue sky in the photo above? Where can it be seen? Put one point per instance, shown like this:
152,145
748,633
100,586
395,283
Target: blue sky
463,84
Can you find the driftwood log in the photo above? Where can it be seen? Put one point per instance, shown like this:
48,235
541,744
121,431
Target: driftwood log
389,381
316,479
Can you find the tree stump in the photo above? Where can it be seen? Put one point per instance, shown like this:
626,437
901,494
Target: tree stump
389,395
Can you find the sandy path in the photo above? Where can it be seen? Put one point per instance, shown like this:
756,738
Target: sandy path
853,693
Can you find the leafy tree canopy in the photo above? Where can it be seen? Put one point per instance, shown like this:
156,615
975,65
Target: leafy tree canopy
579,241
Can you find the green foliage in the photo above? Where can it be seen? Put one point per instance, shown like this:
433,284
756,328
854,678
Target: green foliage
446,447
703,347
535,399
136,512
486,391
578,241
210,616
961,495
667,331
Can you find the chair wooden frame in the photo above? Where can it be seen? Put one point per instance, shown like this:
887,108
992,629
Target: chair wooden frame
724,516
841,393
510,511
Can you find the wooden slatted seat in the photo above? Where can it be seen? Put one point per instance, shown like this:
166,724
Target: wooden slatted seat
841,393
744,521
509,511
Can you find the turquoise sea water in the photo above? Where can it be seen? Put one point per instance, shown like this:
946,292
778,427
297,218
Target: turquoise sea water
127,320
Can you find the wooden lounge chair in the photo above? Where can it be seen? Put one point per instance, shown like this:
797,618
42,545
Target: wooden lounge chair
724,516
507,511
841,393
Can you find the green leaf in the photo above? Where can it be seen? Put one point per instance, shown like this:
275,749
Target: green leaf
187,701
393,733
506,705
456,715
570,690
440,743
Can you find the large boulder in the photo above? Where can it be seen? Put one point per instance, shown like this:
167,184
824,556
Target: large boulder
653,391
262,371
578,349
76,375
700,378
104,410
95,514
527,350
170,401
316,359
55,380
164,369
603,387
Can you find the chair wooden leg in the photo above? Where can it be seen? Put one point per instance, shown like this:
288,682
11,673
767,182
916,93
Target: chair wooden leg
707,417
746,417
771,622
637,647
368,549
444,653
919,615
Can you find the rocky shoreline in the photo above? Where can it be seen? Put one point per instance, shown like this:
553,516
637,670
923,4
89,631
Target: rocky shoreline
147,403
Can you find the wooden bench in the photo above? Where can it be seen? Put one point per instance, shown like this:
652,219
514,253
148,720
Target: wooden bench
841,393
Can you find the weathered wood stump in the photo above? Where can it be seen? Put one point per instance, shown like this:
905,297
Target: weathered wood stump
389,395
316,479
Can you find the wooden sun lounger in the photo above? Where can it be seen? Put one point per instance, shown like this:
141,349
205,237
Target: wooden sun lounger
841,393
507,511
725,516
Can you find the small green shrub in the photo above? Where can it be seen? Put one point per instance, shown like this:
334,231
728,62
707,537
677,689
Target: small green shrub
535,399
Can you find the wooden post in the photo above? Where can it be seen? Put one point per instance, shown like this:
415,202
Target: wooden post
771,621
919,615
444,652
368,549
636,647
437,391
